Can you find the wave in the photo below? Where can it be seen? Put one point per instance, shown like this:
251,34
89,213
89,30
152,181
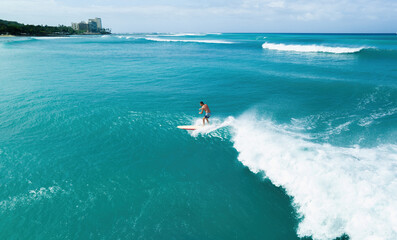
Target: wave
51,38
188,40
184,34
126,37
379,53
335,190
310,48
216,129
376,115
18,40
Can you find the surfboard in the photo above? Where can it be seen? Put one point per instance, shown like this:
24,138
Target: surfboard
191,127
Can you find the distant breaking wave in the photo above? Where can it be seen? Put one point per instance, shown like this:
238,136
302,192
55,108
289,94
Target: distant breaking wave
18,40
310,48
188,40
125,37
185,34
188,34
50,38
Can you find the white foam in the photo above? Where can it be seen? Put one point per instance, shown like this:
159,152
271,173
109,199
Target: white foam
184,34
187,40
310,48
336,190
50,38
377,115
212,128
124,37
187,34
27,198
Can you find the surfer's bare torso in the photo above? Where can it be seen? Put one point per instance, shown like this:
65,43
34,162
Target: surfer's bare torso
205,108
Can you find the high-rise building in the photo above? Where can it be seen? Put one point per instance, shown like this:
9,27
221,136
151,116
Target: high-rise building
98,22
83,26
75,26
92,26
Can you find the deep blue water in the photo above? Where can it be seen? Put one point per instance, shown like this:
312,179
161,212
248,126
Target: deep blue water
302,141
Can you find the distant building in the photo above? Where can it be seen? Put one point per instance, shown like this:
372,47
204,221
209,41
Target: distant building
98,22
82,26
94,25
75,26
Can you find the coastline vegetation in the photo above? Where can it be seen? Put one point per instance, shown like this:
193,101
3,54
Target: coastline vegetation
18,29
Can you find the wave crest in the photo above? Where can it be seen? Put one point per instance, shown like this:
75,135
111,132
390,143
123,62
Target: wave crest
184,34
310,48
188,40
335,190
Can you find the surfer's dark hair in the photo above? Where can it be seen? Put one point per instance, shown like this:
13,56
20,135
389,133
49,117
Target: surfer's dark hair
202,102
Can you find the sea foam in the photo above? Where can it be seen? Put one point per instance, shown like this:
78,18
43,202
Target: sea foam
187,40
184,34
310,48
335,190
189,34
32,196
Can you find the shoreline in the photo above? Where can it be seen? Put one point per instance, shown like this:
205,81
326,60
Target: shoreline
60,36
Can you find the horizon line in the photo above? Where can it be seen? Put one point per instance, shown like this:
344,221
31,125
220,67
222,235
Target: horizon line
346,33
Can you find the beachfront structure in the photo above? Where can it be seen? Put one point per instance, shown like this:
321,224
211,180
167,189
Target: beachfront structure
83,26
75,26
93,26
98,22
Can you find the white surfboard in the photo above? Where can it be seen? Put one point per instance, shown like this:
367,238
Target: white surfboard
191,127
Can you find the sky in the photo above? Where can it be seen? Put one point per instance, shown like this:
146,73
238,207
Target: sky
129,16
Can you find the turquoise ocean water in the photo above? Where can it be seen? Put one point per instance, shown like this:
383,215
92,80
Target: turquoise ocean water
302,142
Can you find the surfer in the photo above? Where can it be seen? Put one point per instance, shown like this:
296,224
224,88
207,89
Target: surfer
204,107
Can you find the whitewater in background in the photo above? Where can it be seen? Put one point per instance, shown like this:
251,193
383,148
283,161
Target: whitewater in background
311,48
89,146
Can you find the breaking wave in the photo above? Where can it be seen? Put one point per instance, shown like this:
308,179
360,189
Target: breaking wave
335,190
51,38
187,34
188,40
19,40
310,48
126,37
184,34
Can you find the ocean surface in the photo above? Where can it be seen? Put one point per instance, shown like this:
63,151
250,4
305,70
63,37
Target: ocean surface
302,142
